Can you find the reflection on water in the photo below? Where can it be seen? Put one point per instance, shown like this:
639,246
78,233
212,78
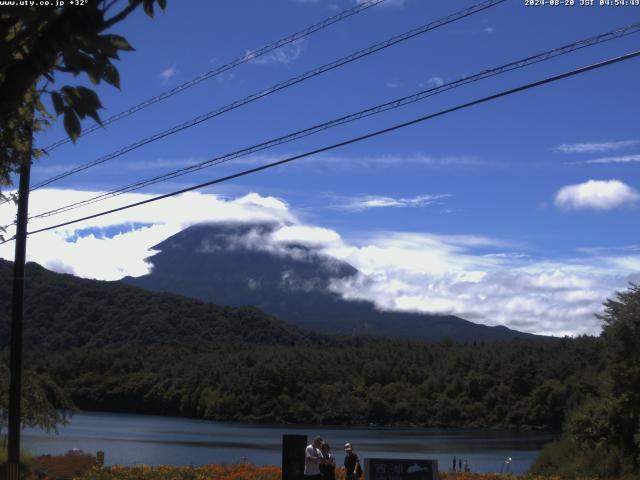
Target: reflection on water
145,439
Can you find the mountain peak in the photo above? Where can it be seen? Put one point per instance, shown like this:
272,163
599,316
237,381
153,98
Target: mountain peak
247,264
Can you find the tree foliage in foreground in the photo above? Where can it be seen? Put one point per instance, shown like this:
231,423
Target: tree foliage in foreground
602,435
44,403
37,43
621,333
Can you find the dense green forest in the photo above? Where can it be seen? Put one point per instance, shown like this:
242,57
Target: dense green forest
517,384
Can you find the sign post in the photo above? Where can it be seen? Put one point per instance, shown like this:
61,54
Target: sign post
17,309
400,469
293,456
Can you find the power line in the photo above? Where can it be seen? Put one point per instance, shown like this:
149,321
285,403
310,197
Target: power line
521,63
280,86
376,133
251,55
601,38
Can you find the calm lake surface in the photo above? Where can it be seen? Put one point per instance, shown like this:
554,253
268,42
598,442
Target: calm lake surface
151,440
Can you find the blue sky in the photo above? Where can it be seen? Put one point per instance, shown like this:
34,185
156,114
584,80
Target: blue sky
547,179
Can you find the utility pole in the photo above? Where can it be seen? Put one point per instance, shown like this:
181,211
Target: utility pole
17,309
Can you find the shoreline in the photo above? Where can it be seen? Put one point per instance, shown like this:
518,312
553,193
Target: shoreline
400,426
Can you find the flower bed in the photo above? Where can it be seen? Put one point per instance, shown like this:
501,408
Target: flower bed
250,472
168,472
70,465
79,466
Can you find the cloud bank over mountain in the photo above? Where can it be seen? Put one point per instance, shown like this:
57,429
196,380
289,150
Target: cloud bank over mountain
485,280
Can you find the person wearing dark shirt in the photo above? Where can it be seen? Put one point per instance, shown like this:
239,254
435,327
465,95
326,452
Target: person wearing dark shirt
328,464
351,463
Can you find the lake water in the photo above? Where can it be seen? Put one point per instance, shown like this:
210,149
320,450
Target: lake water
151,440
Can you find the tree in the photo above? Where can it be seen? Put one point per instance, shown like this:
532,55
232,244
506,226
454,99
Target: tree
621,335
44,403
37,43
602,436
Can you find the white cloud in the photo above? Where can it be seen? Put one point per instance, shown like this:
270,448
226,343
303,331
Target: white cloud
433,274
594,147
168,73
357,204
387,3
255,199
392,85
225,77
306,234
619,159
433,82
626,249
416,253
372,161
482,279
596,195
283,55
157,164
95,256
383,161
488,30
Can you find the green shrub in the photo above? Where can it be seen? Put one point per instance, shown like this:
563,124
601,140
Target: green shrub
566,459
555,459
25,456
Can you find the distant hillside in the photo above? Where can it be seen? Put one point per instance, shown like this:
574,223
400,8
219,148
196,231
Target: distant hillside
63,311
232,264
115,347
519,383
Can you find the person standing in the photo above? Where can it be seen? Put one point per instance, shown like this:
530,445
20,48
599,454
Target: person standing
454,463
312,460
328,465
351,463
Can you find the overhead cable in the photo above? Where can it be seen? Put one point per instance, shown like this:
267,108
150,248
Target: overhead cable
459,15
334,146
399,102
247,57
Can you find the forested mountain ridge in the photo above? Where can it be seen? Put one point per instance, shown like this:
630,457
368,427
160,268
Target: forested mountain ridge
238,264
63,311
115,347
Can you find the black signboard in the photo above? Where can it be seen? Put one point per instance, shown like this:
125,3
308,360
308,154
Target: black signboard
400,469
293,456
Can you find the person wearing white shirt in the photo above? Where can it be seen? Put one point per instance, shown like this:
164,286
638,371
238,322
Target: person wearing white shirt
312,459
